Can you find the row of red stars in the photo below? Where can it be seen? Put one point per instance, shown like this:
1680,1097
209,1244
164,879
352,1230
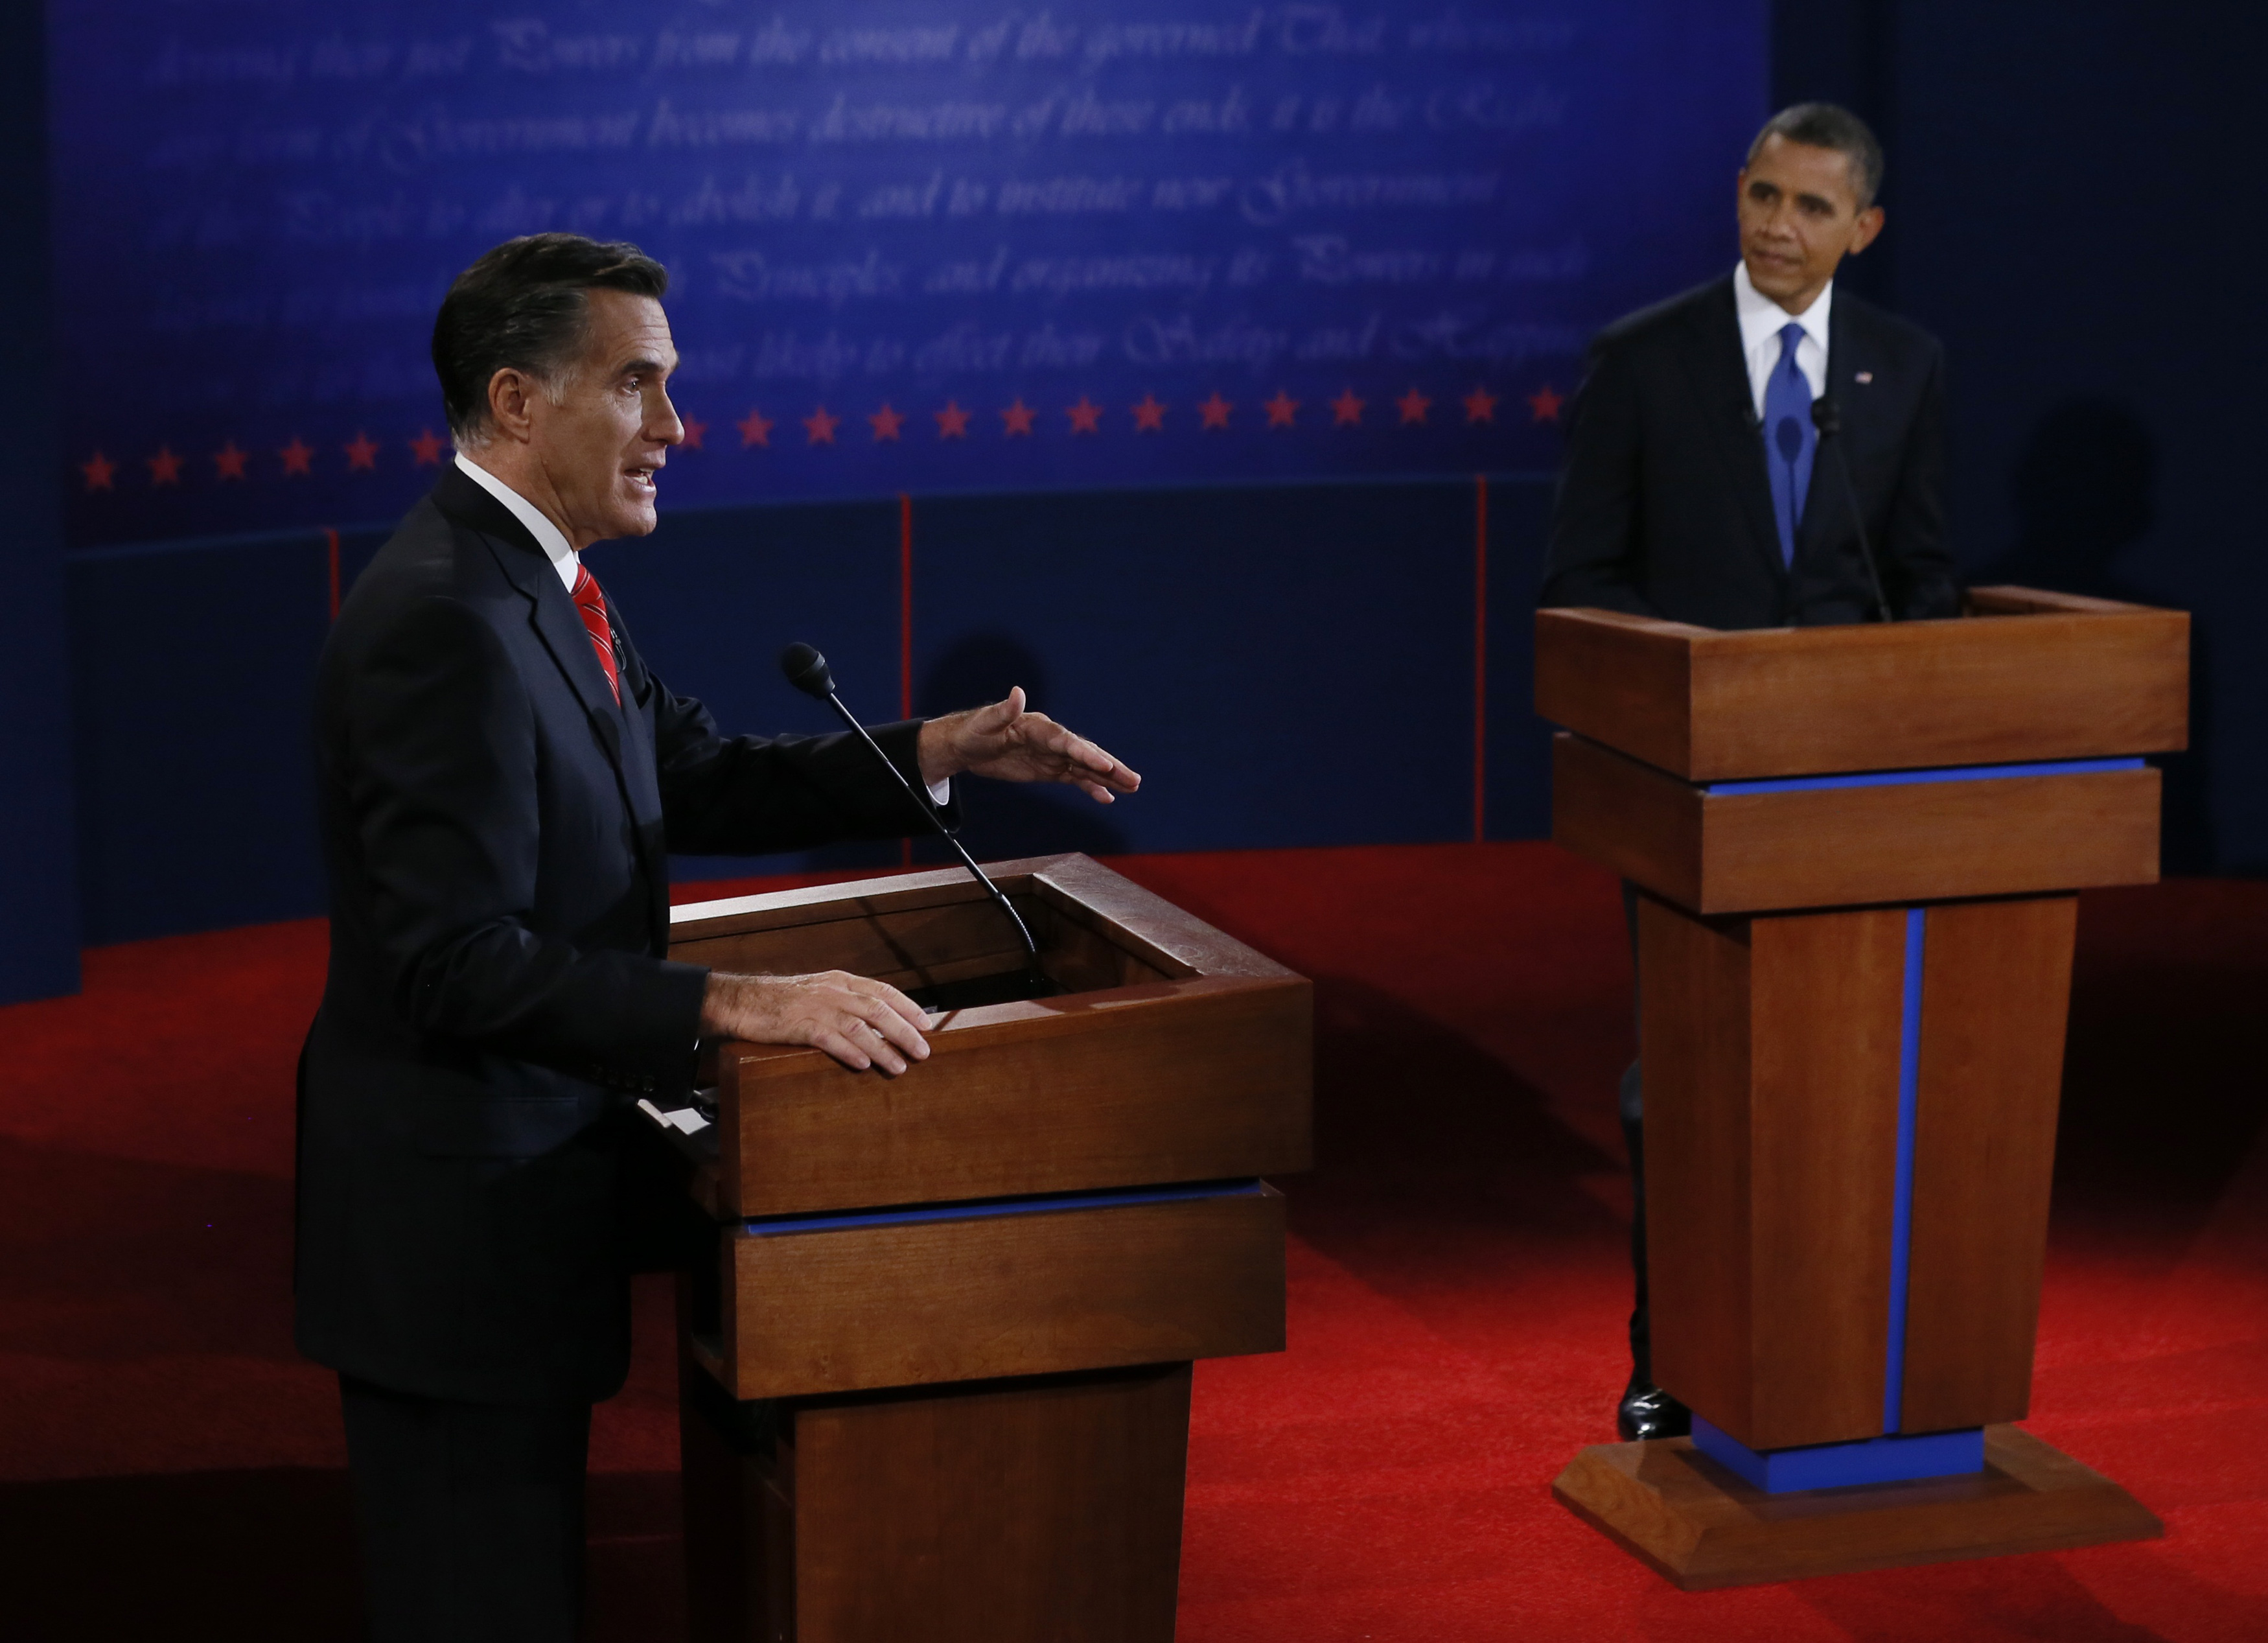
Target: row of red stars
1413,408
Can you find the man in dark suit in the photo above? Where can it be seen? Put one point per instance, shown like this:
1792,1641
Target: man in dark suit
501,776
1702,486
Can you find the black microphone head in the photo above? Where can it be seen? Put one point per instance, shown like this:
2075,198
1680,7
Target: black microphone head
807,670
1827,415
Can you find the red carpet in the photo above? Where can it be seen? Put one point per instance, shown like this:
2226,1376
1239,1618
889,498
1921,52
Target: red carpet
168,1467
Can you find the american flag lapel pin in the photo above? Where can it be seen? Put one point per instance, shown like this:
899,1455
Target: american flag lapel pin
1866,376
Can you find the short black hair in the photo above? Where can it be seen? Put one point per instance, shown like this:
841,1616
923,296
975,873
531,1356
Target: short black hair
522,307
1826,125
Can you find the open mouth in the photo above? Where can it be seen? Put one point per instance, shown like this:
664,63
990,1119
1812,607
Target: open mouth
642,478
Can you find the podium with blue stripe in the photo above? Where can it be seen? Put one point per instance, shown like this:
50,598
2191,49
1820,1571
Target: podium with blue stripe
936,1373
1857,851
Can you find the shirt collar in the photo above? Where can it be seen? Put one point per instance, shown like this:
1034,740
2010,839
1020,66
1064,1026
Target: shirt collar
548,536
1762,318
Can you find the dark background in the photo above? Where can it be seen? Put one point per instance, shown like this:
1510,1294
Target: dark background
2069,191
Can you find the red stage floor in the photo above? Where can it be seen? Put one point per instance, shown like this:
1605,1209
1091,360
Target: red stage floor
168,1467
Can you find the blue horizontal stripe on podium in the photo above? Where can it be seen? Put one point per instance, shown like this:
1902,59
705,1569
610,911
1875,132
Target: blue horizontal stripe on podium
1888,1460
1905,779
974,1209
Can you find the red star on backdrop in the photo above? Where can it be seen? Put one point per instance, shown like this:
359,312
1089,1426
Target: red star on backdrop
1149,416
1280,409
1215,411
819,427
1480,406
1545,402
885,423
1346,410
755,429
1086,416
362,452
1413,406
228,461
297,456
952,422
694,430
425,449
165,468
1017,419
98,472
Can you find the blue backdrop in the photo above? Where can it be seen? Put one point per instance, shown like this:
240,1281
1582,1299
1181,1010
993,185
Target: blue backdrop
914,245
1278,624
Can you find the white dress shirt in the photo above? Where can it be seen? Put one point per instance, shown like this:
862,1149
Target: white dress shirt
1761,320
563,558
569,564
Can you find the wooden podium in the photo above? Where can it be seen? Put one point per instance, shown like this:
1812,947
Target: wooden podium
937,1384
1856,849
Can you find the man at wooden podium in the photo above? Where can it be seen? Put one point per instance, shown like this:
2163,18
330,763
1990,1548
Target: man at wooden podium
1736,453
500,776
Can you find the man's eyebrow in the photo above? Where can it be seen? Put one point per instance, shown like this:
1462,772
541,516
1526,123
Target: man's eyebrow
642,366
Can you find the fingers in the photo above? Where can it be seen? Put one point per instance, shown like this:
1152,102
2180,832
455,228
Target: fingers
880,1023
860,1022
1038,731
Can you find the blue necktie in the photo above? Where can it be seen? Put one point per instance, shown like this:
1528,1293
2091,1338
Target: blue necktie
1790,440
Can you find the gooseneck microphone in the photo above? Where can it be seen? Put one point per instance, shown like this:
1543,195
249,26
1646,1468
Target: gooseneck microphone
808,671
1827,417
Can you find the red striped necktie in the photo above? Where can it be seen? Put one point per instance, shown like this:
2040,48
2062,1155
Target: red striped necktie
591,605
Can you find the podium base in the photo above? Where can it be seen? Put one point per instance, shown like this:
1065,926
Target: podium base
1699,1524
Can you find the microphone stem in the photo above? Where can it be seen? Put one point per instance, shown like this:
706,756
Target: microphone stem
929,814
1858,524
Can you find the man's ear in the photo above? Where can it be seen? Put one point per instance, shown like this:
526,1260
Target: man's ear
1864,227
510,392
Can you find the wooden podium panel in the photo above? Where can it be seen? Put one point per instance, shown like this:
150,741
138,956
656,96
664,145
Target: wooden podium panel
1996,991
1174,1053
1734,852
883,1302
1001,1512
1771,1132
2029,676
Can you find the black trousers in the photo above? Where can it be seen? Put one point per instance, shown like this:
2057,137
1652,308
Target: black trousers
470,1516
1632,1106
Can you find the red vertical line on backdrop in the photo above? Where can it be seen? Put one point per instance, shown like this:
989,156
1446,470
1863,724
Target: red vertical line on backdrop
332,537
1480,656
906,628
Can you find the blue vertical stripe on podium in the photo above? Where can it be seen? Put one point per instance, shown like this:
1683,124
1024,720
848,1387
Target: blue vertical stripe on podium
1893,1457
1894,1376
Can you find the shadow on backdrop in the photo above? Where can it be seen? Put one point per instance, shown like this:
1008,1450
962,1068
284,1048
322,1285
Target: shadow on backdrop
1004,819
2084,490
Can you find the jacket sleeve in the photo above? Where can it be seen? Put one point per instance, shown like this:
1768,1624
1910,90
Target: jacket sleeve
751,795
1593,555
1919,577
438,770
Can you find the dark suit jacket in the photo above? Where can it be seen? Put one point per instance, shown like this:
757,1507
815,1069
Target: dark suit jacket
495,829
1665,503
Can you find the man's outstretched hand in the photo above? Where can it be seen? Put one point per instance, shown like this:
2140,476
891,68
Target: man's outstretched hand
861,1023
1008,744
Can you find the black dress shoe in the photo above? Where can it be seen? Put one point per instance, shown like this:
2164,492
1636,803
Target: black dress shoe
1647,1411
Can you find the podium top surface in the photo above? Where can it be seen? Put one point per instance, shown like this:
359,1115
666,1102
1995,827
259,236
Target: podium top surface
2026,675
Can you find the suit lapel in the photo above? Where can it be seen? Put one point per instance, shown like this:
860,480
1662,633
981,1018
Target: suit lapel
551,611
1716,370
641,788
